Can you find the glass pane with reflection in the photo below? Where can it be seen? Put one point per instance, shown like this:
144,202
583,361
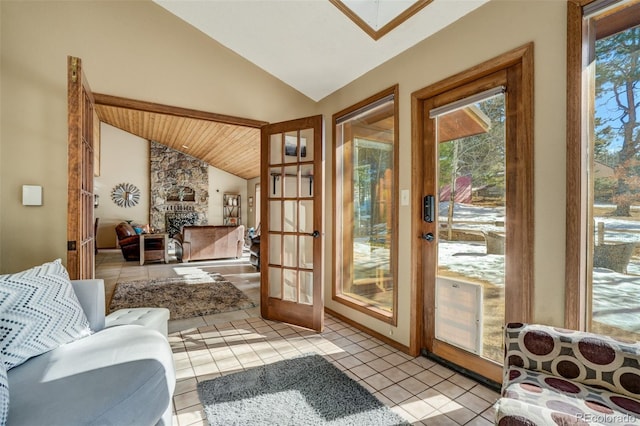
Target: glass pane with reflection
275,249
291,147
306,251
306,181
291,181
275,283
306,216
275,148
290,251
306,145
275,216
290,285
290,216
306,287
275,182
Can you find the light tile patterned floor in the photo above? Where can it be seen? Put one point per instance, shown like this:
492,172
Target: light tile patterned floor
423,392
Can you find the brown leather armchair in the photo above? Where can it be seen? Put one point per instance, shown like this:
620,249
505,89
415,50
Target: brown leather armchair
129,242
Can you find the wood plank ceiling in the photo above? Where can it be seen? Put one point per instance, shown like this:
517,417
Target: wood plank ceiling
228,143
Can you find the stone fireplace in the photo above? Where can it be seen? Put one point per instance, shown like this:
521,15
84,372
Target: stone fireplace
179,190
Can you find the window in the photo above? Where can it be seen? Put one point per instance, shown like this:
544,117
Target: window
366,180
603,172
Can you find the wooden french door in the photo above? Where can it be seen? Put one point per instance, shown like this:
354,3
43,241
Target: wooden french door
291,222
82,131
473,170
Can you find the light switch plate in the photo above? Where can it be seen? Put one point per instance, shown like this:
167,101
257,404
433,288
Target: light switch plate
31,195
404,197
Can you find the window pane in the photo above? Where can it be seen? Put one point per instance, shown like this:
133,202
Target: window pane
615,187
365,207
470,281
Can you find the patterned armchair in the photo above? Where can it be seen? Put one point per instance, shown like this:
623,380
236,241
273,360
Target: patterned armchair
554,376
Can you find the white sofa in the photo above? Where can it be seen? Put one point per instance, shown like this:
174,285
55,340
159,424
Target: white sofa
121,374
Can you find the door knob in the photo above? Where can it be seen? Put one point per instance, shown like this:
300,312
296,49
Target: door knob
315,234
427,237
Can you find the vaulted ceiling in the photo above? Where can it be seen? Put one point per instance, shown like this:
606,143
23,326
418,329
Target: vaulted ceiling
228,143
314,46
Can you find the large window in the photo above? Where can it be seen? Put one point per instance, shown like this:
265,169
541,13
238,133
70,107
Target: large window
365,176
603,219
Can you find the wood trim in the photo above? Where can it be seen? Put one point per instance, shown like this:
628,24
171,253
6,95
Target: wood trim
481,366
516,66
119,102
576,188
340,268
372,333
377,34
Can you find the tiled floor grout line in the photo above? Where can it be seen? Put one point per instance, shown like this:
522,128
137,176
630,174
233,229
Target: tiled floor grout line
418,389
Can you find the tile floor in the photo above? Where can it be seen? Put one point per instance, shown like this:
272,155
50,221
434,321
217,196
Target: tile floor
421,391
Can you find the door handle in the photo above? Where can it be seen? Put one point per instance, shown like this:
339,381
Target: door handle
427,236
315,234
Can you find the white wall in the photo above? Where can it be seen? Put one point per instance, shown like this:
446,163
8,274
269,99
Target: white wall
124,158
221,182
491,30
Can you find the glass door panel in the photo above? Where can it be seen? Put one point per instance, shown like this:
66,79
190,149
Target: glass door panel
470,280
290,285
290,251
275,252
306,216
275,282
290,216
306,145
291,147
306,252
291,181
275,219
306,180
306,287
275,149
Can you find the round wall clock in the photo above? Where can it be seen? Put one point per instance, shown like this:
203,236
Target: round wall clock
125,195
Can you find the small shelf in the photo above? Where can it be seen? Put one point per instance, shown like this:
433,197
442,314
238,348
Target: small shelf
231,209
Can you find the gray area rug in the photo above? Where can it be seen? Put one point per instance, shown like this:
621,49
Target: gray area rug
184,297
307,390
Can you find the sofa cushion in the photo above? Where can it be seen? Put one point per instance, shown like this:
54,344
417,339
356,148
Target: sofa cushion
39,311
4,394
582,357
118,376
531,397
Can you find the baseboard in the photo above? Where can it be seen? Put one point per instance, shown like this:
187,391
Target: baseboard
370,332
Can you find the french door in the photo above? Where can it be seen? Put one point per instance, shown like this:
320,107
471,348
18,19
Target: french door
474,239
84,128
291,239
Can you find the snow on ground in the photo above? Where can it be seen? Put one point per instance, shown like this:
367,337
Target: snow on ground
616,296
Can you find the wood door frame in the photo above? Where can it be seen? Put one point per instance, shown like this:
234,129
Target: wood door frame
268,308
520,87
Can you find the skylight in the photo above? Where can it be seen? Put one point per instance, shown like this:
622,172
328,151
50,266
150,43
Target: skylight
378,17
